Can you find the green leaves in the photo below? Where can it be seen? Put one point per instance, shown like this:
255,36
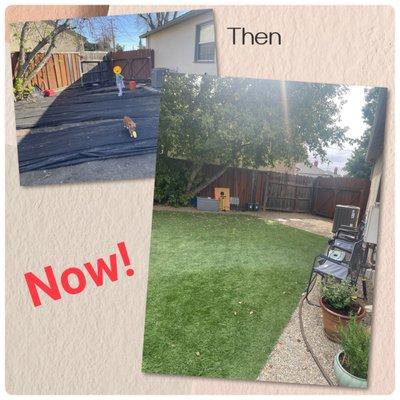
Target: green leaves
356,165
337,294
247,122
355,340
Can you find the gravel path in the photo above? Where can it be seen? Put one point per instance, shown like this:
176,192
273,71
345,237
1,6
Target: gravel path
290,361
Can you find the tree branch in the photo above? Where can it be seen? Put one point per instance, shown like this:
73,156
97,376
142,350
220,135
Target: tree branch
46,40
203,185
22,53
40,65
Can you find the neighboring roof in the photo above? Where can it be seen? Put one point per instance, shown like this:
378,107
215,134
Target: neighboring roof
181,18
375,146
303,169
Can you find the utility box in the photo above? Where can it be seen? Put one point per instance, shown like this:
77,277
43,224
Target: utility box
346,217
372,225
157,77
222,195
206,204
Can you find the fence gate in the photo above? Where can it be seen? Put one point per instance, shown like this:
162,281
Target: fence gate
331,191
287,192
136,64
95,67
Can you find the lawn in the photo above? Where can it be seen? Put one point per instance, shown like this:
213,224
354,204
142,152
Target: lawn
221,290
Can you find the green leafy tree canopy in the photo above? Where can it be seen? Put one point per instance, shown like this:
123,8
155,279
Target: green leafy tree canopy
357,166
250,123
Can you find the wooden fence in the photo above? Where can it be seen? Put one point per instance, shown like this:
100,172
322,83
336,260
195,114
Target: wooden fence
287,192
68,69
60,71
95,67
136,64
331,191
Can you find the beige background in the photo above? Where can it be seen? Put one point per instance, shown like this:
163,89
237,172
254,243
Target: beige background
92,342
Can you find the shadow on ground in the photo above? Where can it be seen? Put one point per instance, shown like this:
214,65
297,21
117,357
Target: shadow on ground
78,136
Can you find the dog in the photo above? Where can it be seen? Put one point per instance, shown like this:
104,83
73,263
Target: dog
129,124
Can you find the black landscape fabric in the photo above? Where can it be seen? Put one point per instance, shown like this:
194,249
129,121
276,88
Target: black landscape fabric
85,125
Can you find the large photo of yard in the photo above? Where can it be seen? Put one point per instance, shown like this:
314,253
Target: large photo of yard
264,235
87,94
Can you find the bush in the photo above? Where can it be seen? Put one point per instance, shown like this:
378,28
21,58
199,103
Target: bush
338,295
171,182
355,340
21,92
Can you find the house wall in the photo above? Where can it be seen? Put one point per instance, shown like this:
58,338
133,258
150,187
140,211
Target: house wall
174,47
66,42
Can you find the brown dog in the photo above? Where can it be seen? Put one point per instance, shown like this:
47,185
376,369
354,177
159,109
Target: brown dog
129,124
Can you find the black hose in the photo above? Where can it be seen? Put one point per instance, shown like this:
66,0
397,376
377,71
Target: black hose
324,374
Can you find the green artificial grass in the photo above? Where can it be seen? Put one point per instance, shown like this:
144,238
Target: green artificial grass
221,290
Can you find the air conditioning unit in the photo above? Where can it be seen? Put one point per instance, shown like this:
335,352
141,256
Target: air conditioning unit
371,227
345,216
157,77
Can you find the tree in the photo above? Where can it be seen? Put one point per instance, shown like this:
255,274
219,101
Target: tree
156,20
119,47
236,122
357,166
26,70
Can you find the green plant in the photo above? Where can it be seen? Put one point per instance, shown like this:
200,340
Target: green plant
170,183
355,340
338,295
21,91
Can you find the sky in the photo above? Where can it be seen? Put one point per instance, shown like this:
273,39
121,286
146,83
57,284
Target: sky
127,28
351,116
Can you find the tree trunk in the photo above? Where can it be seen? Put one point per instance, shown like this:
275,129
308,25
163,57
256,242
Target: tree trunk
40,65
50,38
203,185
196,169
22,53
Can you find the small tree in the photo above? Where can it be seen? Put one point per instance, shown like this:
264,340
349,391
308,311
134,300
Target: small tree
357,166
26,70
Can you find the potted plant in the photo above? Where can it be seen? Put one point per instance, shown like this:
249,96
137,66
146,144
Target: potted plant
338,306
351,364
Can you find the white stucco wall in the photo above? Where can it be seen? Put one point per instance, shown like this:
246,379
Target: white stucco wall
174,47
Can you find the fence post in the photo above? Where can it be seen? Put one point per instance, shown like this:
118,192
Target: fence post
265,200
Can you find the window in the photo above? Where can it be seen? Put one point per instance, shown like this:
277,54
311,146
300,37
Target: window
205,42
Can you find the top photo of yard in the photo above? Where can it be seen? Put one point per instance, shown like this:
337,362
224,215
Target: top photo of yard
87,91
265,230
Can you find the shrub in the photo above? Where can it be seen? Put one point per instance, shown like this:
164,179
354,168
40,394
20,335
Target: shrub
338,295
21,92
170,183
355,340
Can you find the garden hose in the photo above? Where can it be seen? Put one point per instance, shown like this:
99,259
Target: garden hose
324,374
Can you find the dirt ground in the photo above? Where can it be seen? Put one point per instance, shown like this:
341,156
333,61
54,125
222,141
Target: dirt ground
311,223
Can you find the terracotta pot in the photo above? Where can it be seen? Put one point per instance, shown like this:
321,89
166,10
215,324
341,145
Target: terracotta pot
333,320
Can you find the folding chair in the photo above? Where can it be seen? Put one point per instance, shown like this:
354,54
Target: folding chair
346,238
342,270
